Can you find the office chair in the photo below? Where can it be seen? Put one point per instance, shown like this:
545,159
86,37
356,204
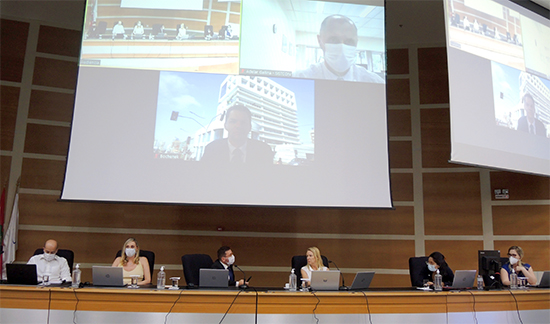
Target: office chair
191,264
148,254
418,270
67,254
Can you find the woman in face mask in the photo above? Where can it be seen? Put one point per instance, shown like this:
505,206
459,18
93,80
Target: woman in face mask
132,263
515,254
436,260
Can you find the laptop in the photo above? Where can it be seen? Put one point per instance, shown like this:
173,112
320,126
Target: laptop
325,280
463,279
362,280
21,274
213,278
544,280
107,276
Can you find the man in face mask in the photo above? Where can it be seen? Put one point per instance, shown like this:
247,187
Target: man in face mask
338,40
226,259
51,264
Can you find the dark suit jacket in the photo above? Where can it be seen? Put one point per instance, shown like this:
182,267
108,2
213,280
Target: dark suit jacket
257,153
218,265
524,126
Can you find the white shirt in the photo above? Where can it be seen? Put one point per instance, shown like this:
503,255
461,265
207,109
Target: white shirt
307,268
118,29
58,268
355,73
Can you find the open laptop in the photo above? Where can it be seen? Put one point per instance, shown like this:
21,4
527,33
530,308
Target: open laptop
107,276
325,280
21,274
463,279
544,280
213,278
362,280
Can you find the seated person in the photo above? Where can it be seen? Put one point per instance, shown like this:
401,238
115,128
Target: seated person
132,263
93,32
436,260
118,30
225,260
51,264
314,263
138,30
515,254
182,32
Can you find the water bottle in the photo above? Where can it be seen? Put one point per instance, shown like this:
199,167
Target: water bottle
513,280
292,280
438,281
479,282
76,276
161,279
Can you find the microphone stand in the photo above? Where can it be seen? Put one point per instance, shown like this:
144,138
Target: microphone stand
341,276
243,286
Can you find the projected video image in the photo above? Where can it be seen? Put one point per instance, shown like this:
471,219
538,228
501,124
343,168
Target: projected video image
206,117
522,100
162,35
314,39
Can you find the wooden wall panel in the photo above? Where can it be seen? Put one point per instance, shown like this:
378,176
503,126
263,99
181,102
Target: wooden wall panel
399,122
217,19
13,41
398,61
398,92
129,16
452,204
402,187
521,220
46,139
5,165
54,106
54,73
59,41
535,252
400,154
460,255
521,186
9,99
42,174
435,136
432,75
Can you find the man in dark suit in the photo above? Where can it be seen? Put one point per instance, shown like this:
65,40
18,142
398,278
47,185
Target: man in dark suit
529,123
225,260
237,148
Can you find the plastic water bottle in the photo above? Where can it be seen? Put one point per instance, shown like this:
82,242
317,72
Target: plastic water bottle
513,280
161,279
76,276
479,282
438,286
292,280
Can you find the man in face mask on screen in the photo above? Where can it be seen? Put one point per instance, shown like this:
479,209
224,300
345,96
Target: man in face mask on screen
338,40
49,263
226,259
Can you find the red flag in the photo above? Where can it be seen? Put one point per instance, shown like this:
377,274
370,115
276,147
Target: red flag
2,211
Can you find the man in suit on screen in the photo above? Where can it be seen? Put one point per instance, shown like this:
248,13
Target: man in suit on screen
237,148
529,123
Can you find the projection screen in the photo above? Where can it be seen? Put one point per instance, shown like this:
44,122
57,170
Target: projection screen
151,120
499,76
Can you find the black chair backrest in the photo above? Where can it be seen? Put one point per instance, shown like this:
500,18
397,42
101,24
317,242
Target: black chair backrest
298,261
67,254
417,270
192,263
101,27
150,257
504,260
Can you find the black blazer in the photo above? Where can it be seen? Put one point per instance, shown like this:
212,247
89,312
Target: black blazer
540,130
218,265
257,153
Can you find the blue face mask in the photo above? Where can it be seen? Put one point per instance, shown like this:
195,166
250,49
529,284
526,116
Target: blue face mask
431,267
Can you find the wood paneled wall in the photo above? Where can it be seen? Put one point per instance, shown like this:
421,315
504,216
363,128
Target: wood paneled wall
438,206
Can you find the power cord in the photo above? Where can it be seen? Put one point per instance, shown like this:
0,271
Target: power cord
240,291
517,306
49,304
174,304
318,301
368,307
75,306
474,306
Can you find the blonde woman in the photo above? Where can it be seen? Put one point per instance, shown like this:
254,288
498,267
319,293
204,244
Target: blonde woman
132,263
515,254
314,263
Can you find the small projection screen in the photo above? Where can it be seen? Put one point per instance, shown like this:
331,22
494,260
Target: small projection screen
499,76
154,85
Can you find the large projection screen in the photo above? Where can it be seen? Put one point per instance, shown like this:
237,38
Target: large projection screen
151,121
499,76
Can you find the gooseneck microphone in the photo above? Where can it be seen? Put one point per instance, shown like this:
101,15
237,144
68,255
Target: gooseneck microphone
243,286
341,275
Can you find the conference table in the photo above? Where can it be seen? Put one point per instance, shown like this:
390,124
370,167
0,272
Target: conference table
43,304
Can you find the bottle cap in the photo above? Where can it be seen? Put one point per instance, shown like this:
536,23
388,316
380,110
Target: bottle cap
162,268
77,266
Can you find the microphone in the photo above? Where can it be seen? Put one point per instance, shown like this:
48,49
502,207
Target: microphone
341,275
243,286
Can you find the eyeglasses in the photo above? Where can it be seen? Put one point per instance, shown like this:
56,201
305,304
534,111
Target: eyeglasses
513,255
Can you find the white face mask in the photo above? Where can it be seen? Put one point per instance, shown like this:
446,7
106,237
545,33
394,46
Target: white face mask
49,256
130,252
513,260
340,57
231,260
431,267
